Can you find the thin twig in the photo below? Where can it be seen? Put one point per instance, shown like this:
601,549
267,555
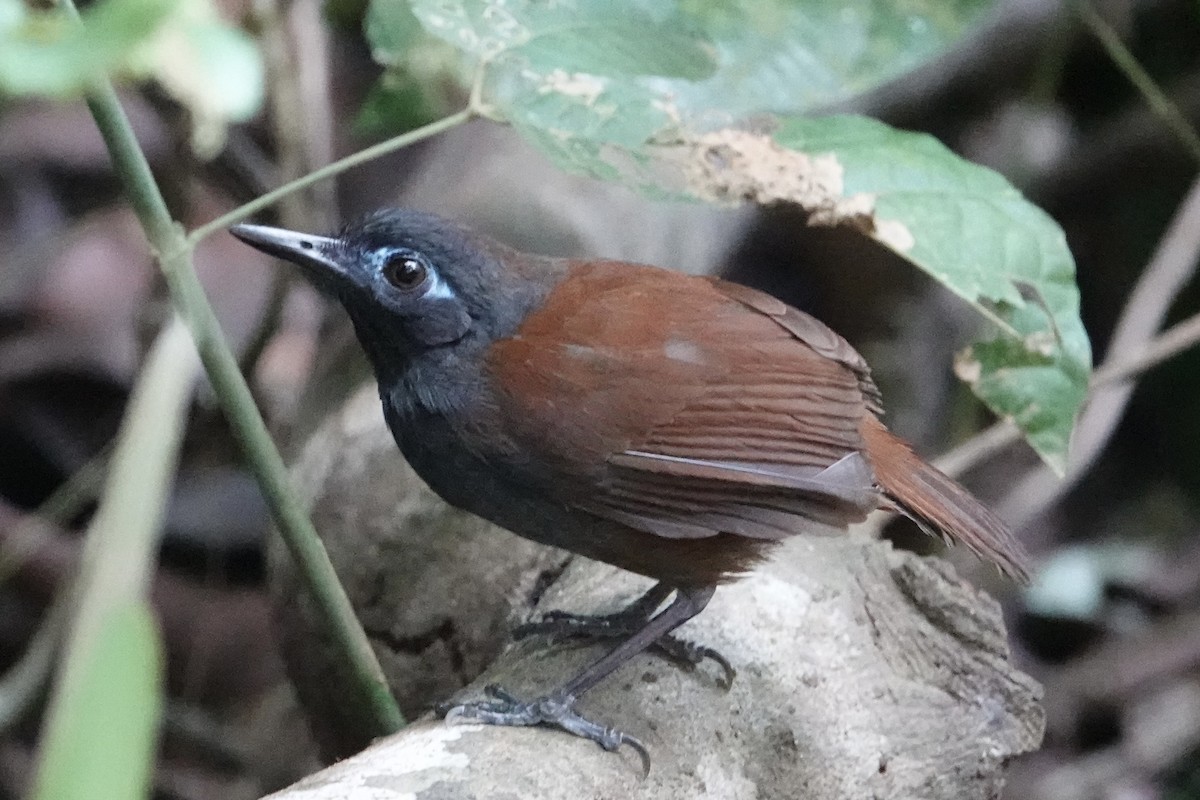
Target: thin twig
965,456
336,168
1179,337
22,685
1159,103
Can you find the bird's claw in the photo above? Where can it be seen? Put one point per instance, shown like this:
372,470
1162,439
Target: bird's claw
692,654
559,625
555,710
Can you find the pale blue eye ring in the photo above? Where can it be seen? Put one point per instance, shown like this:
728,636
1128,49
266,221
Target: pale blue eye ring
438,288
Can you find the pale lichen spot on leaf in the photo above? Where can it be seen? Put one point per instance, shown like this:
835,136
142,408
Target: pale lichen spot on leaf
578,85
895,235
503,24
669,109
967,367
1044,343
731,165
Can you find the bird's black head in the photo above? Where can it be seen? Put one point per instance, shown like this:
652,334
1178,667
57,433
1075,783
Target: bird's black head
411,281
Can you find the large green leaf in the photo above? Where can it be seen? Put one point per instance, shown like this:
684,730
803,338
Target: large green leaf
105,744
623,70
421,76
970,229
699,101
391,30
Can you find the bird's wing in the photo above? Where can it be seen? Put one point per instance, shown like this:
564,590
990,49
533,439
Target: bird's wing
686,406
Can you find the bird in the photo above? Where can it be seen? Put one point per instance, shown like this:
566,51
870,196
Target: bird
675,426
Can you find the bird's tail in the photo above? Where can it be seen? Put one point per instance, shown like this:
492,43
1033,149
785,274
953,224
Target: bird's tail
938,503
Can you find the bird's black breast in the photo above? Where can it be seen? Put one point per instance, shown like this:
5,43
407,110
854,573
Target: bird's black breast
467,481
437,426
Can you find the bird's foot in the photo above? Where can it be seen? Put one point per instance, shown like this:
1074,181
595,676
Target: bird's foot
560,625
556,710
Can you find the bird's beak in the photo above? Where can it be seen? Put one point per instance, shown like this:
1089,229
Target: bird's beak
318,256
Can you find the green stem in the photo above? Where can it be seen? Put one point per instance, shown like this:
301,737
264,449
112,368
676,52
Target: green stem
24,683
1158,101
175,258
336,168
67,501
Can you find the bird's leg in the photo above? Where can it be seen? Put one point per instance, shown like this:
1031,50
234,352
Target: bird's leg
557,708
625,623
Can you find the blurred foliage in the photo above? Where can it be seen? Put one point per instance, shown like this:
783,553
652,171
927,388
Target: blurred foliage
101,727
46,53
210,67
421,77
105,745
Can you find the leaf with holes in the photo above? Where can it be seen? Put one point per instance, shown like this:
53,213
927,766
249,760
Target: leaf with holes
697,100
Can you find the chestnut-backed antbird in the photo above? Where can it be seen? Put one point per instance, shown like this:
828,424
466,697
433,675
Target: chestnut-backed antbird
672,425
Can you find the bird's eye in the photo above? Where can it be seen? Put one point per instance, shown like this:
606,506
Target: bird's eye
405,273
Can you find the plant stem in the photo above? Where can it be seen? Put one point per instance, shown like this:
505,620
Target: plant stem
328,171
174,253
1156,98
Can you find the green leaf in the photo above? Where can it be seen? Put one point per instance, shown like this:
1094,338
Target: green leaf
106,742
394,104
421,81
608,46
45,53
971,230
638,104
691,62
99,729
391,30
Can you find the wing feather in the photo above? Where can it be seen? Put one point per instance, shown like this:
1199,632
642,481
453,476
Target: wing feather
687,407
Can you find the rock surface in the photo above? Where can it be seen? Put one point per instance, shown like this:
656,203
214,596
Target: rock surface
862,671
